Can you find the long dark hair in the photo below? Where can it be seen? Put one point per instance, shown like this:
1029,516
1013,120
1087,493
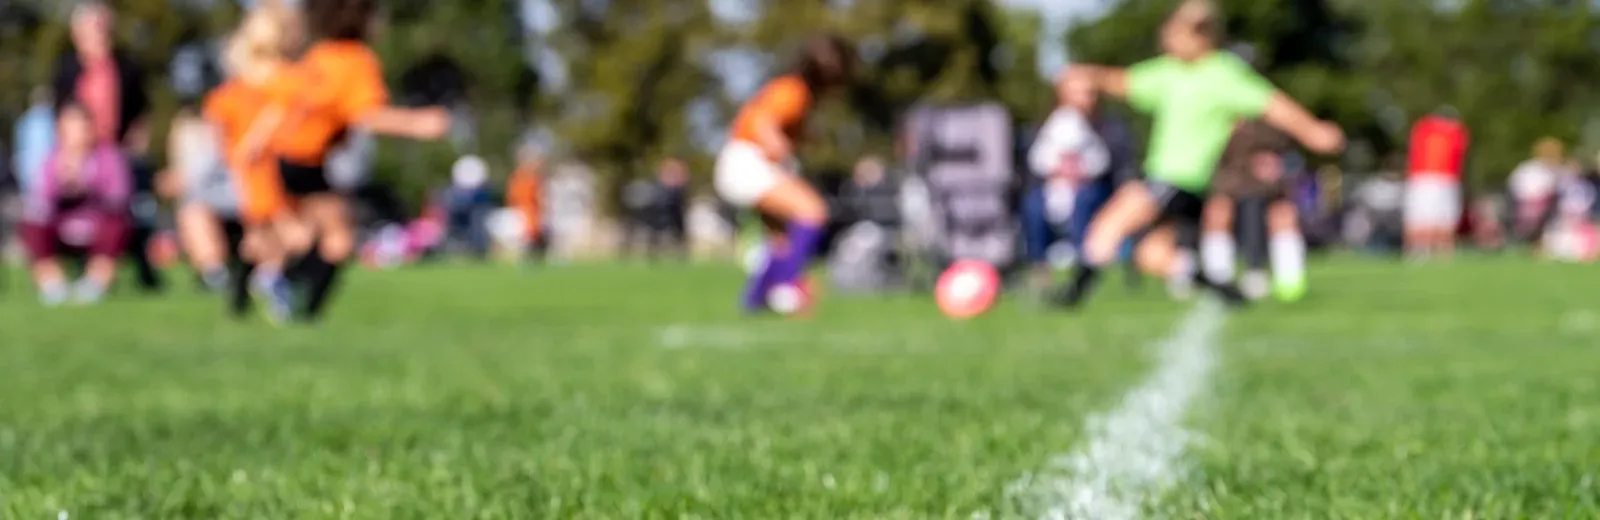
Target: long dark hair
825,61
340,19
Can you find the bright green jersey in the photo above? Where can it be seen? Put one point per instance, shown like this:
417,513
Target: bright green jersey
1195,106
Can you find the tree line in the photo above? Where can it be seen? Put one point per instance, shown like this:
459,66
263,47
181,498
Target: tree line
623,83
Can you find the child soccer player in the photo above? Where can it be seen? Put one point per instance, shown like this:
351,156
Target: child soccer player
754,169
1196,94
1252,191
238,109
335,86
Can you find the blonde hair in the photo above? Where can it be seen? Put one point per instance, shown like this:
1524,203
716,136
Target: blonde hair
1549,149
260,42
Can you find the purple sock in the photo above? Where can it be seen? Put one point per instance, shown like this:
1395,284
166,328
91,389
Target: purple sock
756,286
803,240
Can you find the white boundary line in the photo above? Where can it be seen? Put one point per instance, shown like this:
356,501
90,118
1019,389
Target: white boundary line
1133,453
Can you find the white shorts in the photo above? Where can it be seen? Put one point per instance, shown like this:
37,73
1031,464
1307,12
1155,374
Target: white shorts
1432,202
744,174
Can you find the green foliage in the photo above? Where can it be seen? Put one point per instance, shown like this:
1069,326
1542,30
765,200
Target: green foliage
639,68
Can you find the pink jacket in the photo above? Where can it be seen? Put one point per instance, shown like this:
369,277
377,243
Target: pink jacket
106,181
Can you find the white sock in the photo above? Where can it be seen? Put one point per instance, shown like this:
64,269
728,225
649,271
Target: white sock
1217,256
1287,251
1180,281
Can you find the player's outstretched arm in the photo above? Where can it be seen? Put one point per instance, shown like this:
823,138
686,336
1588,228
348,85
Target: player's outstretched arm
1317,135
1110,80
414,123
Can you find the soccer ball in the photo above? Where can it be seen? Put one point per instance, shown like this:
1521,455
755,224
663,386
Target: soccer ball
790,298
967,289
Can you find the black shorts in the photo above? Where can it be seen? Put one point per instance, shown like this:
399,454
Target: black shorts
300,180
1179,208
1176,204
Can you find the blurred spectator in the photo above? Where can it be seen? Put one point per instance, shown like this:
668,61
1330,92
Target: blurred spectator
79,203
1591,175
467,203
657,207
1374,221
866,256
1533,188
1488,216
871,196
107,82
1078,158
525,195
35,137
1433,198
111,88
204,190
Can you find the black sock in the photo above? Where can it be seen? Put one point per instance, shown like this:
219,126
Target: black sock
300,269
1083,279
239,289
322,280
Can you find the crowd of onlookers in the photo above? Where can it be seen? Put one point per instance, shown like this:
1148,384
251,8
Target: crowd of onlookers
1548,204
81,186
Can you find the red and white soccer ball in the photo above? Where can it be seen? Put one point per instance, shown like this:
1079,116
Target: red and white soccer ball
791,298
967,289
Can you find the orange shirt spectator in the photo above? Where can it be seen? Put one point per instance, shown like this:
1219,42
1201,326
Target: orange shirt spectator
525,194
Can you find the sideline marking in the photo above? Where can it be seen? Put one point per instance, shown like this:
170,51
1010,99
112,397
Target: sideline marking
1133,453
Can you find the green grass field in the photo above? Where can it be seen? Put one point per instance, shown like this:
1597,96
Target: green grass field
1444,392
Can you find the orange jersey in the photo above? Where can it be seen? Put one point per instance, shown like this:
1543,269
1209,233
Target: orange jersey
331,88
785,100
525,195
232,108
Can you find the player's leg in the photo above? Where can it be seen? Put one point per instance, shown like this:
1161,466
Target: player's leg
41,242
111,237
1156,253
1253,231
792,212
1450,205
329,215
271,233
1415,214
1036,238
1287,249
804,216
240,266
200,233
1131,208
1217,252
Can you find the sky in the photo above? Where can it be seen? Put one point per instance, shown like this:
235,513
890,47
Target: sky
742,71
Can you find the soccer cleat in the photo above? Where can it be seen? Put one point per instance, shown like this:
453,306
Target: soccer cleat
1064,298
1255,285
1227,292
279,298
215,281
